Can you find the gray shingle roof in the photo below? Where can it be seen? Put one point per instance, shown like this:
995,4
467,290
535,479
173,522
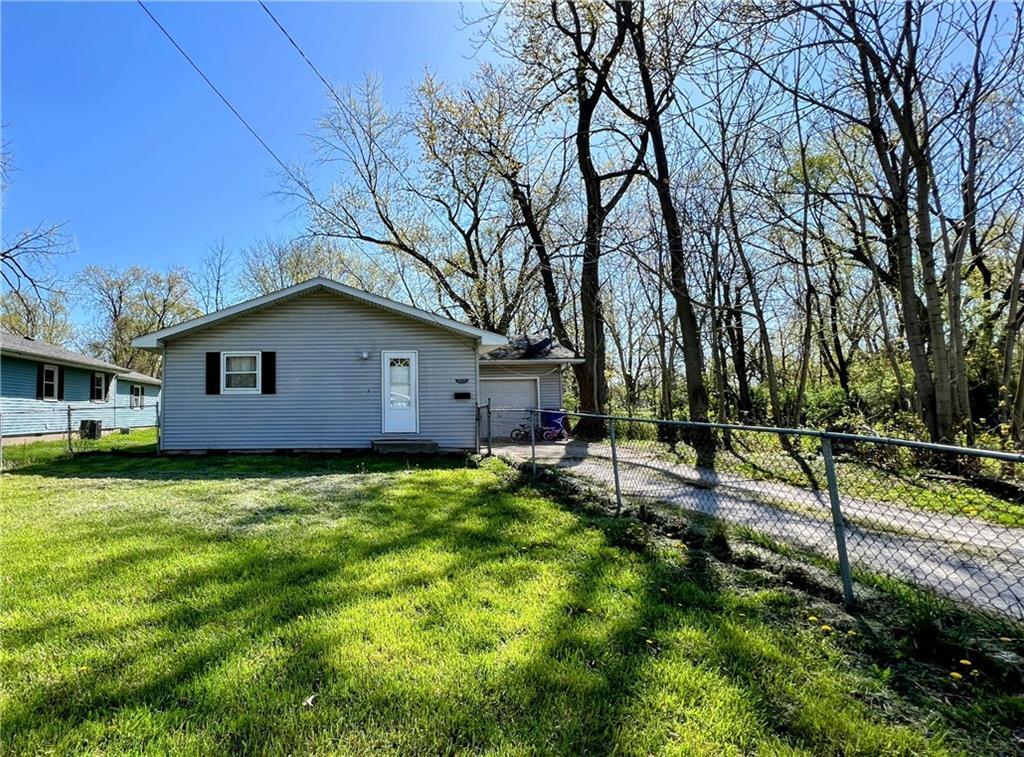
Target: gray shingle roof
530,347
140,378
33,348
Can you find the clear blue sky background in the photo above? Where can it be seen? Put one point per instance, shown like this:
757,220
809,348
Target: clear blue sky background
113,132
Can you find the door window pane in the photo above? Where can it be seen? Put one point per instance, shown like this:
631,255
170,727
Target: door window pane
400,382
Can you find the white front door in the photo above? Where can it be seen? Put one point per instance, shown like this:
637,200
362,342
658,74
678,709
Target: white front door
400,392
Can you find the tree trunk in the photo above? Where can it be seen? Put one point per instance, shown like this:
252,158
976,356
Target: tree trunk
738,347
1013,323
693,352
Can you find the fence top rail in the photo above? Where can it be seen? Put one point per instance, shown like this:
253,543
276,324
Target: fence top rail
63,407
1009,457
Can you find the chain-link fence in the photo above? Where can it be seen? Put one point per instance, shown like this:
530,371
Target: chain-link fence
34,435
946,519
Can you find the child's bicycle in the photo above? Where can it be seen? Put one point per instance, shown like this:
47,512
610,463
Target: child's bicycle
550,429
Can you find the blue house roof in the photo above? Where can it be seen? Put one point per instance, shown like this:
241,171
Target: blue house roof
34,349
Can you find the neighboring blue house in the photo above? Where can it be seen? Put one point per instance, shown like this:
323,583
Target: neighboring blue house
40,381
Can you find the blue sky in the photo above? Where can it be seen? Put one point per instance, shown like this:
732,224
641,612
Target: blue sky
113,132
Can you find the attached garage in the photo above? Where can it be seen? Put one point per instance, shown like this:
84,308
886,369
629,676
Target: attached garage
512,392
525,373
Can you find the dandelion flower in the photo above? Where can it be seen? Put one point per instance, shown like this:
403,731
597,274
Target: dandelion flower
812,618
851,632
826,628
965,662
955,676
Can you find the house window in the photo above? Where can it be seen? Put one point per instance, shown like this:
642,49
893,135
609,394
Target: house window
99,387
50,382
240,373
137,397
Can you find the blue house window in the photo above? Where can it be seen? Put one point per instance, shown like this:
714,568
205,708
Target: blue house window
99,388
137,397
50,382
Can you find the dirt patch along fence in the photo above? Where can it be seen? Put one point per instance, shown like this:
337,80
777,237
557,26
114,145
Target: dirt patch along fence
949,520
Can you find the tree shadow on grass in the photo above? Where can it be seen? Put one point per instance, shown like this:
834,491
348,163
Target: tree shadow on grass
433,617
213,466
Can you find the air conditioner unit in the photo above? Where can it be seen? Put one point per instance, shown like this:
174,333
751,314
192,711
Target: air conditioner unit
90,429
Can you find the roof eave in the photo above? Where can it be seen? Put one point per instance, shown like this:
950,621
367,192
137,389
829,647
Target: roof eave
155,341
533,361
103,367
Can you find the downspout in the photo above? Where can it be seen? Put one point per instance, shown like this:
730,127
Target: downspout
161,401
476,394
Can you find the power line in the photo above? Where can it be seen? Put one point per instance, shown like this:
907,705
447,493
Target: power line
299,50
301,184
220,94
344,106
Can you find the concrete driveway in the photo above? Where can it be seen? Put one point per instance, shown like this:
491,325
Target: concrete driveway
963,558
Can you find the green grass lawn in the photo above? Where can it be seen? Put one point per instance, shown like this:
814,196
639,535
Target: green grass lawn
140,440
363,605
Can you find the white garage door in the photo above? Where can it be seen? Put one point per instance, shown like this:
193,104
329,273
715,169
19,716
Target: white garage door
512,393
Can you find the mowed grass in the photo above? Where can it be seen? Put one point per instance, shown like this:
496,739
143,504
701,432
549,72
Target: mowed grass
291,605
138,440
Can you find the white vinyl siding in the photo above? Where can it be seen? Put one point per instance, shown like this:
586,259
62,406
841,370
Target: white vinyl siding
328,396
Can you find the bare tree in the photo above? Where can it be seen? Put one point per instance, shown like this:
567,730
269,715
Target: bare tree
29,316
27,255
269,265
128,303
212,281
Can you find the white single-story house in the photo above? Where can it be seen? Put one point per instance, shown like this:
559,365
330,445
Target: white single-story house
322,365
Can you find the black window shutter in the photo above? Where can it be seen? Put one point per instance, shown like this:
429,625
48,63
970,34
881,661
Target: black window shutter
142,396
213,373
268,373
60,383
39,381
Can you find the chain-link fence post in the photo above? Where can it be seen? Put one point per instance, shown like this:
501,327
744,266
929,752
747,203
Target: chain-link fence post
837,519
71,449
534,420
490,440
615,466
159,427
